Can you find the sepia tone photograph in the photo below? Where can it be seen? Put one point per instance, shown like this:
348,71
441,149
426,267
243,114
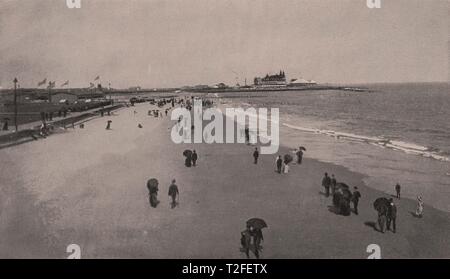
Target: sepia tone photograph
224,129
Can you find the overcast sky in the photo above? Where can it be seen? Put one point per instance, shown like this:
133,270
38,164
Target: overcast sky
171,43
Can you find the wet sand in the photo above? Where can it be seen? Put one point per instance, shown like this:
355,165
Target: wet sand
88,187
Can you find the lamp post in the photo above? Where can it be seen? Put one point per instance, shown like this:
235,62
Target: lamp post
15,103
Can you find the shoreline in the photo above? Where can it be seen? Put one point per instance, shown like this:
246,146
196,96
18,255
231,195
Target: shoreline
361,154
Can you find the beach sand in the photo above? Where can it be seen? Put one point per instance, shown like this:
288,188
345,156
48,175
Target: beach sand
88,187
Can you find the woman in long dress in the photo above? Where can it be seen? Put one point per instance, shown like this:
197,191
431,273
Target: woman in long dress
419,210
285,168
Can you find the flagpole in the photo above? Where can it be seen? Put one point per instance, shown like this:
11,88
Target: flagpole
15,104
49,94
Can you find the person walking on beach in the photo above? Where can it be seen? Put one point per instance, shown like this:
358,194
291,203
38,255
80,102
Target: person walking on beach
194,158
108,125
355,199
246,239
391,216
174,193
285,167
299,156
419,210
256,155
333,184
326,182
397,190
382,217
279,164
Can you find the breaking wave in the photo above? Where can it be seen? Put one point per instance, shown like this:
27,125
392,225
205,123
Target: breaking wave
406,147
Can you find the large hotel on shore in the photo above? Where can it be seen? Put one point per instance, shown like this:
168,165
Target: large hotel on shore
271,80
279,80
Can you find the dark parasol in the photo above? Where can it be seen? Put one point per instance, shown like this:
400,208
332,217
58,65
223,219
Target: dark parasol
152,184
187,153
379,203
288,158
256,223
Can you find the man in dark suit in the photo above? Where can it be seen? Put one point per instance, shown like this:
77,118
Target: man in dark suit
173,193
279,164
391,216
256,155
355,198
194,158
326,182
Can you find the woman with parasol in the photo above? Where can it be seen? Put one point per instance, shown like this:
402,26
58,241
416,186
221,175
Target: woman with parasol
188,161
382,206
152,186
287,159
300,154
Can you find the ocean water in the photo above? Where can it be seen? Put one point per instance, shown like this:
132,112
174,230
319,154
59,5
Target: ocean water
394,133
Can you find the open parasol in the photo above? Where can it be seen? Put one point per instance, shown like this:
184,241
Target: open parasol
256,223
288,158
152,184
302,148
380,202
187,153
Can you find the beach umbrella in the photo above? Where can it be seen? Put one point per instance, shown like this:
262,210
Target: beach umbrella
152,184
302,148
380,202
187,153
256,223
288,158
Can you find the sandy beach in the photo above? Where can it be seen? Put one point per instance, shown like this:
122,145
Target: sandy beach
88,187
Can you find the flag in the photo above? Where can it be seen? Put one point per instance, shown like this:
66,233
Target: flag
42,82
51,84
91,85
65,83
97,78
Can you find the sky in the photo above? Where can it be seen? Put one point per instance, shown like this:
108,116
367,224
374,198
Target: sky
170,43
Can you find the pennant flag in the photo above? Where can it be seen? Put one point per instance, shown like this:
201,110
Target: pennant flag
91,85
42,82
97,78
65,83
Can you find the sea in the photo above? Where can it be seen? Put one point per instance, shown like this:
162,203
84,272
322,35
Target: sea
391,133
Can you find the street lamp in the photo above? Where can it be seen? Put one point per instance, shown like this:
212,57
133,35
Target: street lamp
15,103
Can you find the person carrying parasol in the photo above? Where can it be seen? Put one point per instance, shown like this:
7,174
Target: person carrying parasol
300,154
253,231
152,186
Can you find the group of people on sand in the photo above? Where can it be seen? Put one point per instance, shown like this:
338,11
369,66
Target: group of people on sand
341,194
419,209
282,165
387,210
173,193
